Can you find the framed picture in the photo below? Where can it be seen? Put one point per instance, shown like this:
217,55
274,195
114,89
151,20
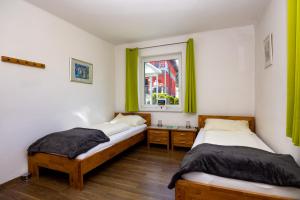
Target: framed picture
268,48
81,71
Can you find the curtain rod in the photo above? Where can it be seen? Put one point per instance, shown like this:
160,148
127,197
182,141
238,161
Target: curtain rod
162,45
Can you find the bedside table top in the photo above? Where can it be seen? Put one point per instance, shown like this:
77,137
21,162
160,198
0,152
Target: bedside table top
183,128
162,127
175,128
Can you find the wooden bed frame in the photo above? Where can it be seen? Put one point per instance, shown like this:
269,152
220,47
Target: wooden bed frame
186,190
77,168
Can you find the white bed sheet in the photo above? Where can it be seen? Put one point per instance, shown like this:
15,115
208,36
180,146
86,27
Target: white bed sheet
240,139
116,138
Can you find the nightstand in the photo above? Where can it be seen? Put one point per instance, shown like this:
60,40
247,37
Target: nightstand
159,135
183,137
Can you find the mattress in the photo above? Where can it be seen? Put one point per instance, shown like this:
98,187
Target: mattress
237,139
114,139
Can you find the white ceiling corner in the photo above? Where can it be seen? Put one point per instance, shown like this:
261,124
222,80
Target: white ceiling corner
123,21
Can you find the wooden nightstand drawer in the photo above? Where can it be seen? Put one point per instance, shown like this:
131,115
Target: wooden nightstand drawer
183,143
158,140
183,135
158,133
158,136
183,138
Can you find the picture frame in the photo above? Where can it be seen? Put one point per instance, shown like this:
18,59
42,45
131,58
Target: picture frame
268,50
81,71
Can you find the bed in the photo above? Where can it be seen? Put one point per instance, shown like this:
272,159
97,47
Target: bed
197,185
76,168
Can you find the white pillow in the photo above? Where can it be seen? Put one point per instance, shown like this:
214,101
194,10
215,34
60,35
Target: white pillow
117,118
226,125
110,129
131,120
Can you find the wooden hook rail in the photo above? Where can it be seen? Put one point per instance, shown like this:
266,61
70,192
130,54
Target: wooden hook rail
22,62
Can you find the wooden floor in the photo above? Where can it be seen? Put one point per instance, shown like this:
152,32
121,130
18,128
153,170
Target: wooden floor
138,173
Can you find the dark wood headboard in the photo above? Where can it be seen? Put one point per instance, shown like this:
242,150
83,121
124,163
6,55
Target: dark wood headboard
146,116
251,120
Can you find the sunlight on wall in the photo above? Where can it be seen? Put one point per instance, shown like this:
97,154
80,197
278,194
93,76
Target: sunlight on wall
84,114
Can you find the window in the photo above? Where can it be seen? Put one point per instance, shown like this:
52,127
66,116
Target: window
160,83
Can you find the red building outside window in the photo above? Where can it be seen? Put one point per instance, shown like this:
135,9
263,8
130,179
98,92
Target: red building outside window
161,81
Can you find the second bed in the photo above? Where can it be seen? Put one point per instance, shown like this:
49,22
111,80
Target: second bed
200,185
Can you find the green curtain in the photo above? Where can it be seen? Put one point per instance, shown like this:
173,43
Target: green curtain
190,105
131,104
293,72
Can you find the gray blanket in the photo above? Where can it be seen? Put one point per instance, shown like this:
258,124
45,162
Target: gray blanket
68,143
242,163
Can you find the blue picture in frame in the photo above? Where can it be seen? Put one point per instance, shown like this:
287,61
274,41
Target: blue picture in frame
81,71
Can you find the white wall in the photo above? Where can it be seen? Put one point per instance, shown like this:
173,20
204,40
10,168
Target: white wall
34,101
270,97
224,72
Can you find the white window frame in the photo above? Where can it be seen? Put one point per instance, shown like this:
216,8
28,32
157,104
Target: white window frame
167,108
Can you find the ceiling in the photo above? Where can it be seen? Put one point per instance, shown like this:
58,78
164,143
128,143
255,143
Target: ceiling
124,21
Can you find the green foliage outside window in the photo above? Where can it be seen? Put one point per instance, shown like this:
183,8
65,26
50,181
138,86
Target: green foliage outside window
171,100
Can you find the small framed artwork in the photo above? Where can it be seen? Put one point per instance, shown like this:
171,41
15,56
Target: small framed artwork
268,49
81,71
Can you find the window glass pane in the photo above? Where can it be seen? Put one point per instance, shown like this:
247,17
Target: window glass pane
161,82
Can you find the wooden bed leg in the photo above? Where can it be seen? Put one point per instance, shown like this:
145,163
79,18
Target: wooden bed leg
179,192
76,178
33,168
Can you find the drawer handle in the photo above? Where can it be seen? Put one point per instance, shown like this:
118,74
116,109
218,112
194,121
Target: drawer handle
182,134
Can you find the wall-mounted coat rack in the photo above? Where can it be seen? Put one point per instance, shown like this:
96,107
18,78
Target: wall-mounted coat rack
22,62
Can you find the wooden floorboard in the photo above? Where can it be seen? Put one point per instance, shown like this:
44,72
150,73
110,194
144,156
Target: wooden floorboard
138,173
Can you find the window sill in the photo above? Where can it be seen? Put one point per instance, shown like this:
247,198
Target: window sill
168,109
